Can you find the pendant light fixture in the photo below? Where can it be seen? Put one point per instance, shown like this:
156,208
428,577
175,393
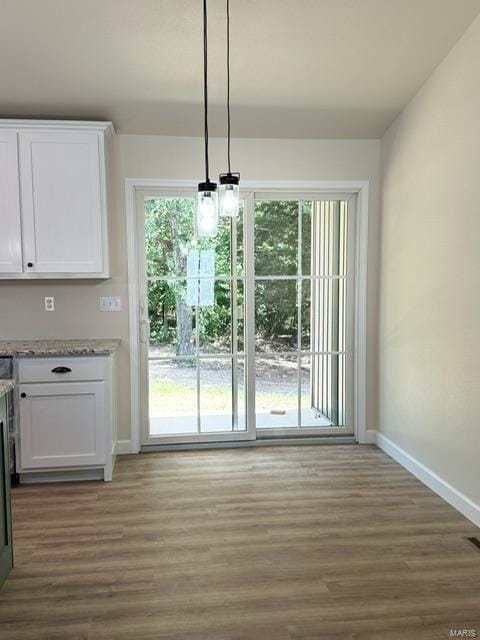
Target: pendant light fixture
229,182
207,207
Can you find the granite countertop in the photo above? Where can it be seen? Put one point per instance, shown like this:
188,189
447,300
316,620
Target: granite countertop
6,386
32,348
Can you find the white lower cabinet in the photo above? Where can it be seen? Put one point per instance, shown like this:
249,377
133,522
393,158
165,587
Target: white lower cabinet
65,420
62,425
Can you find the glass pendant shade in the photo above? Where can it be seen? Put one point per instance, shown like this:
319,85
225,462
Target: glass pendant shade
207,209
229,195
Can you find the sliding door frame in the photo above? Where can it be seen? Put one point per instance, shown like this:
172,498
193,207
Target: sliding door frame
306,189
217,436
348,429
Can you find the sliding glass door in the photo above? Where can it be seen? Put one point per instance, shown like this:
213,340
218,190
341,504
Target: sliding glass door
250,333
193,341
303,315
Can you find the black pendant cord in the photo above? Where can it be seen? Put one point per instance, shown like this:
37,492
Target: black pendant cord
228,85
205,86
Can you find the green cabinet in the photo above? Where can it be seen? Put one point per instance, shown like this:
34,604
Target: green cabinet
6,548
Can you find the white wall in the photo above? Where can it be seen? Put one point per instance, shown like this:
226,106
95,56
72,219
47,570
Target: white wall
76,303
429,353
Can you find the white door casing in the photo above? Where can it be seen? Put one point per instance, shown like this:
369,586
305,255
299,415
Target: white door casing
306,188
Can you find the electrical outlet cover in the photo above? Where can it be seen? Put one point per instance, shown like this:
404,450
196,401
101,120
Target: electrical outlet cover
110,303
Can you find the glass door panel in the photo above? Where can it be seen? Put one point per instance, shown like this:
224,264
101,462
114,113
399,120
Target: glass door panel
304,267
276,237
251,332
215,321
171,379
194,297
216,395
276,316
276,391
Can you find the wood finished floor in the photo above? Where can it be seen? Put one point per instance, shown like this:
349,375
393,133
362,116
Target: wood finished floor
277,543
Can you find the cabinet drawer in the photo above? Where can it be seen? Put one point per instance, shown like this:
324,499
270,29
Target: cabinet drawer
61,369
62,425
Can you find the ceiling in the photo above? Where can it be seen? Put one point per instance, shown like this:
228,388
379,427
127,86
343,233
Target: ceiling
300,68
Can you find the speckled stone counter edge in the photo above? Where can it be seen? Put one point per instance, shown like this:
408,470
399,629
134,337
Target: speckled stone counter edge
38,348
6,386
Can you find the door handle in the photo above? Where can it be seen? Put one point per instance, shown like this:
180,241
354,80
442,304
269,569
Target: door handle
144,331
61,370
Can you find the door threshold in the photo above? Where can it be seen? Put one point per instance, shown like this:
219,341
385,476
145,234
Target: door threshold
267,442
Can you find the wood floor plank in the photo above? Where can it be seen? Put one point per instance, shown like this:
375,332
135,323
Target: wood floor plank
280,543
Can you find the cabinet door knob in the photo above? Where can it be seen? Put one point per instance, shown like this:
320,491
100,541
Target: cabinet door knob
29,264
23,395
61,370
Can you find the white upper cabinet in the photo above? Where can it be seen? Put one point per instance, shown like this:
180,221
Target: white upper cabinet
61,202
10,228
61,178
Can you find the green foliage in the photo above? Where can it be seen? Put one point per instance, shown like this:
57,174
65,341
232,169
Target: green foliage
276,253
276,238
170,234
215,322
276,312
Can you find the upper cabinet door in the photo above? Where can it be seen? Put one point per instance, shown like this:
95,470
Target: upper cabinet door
10,231
63,202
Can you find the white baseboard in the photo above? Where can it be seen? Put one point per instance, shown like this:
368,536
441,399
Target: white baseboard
442,488
123,447
370,437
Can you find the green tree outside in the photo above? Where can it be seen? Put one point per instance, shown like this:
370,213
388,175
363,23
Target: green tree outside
170,234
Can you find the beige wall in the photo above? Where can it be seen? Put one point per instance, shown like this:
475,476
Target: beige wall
429,356
77,314
169,157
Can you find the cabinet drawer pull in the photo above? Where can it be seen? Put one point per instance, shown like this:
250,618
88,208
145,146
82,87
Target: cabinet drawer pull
30,264
23,395
61,370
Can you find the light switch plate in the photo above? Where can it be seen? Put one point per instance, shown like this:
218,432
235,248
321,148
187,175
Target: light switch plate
110,303
49,303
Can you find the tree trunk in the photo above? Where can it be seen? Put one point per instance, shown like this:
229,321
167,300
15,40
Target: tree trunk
184,315
185,344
